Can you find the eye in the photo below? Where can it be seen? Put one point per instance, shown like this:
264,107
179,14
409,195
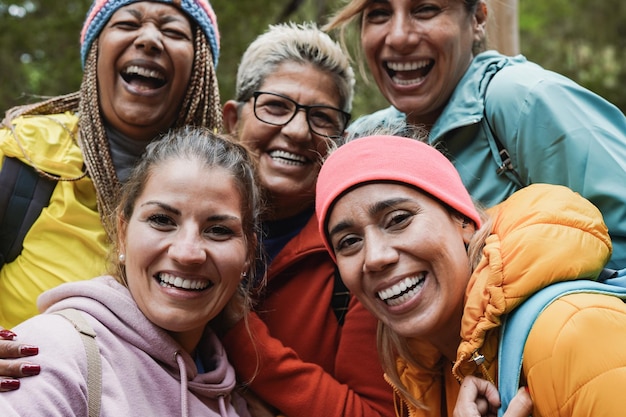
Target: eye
275,106
376,14
426,11
161,221
176,33
219,232
399,219
348,244
125,24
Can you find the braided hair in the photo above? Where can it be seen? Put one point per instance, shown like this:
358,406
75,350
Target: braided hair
201,106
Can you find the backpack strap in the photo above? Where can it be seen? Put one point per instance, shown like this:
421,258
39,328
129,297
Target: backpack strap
501,155
24,195
94,366
341,298
517,324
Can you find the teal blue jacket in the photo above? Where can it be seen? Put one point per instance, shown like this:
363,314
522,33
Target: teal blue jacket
555,131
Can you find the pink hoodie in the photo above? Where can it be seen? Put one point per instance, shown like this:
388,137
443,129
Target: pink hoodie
142,366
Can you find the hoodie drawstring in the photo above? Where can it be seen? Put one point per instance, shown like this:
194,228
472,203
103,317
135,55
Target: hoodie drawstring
184,390
184,408
222,404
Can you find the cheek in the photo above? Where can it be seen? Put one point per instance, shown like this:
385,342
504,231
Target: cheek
349,269
183,61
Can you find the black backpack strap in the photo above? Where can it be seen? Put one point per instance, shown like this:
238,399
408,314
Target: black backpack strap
502,156
24,194
341,298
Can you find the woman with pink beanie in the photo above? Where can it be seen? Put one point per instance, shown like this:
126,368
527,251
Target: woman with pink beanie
440,274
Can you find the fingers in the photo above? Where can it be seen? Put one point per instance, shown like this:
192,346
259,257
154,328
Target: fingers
477,398
10,348
9,384
521,405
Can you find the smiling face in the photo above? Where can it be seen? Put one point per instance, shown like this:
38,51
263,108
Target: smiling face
185,247
289,156
145,57
403,256
418,50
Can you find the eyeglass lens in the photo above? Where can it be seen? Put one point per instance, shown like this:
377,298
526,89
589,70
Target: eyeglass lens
278,110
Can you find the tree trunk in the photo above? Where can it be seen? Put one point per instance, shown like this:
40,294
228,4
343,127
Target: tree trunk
502,26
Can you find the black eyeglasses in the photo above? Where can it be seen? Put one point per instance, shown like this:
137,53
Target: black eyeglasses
278,110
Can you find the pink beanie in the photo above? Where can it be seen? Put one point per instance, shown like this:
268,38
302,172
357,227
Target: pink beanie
389,158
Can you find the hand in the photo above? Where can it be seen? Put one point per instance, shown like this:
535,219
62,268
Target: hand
480,398
11,369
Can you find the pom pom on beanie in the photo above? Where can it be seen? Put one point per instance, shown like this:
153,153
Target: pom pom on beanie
389,158
200,11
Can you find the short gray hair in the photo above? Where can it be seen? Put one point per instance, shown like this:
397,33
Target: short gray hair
299,43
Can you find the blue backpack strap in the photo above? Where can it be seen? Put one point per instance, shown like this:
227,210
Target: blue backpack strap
24,194
517,324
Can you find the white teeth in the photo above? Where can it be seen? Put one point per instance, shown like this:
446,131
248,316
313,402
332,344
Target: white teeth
288,157
169,280
407,66
402,291
144,72
407,82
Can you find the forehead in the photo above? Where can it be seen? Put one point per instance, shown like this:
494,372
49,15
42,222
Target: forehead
147,9
373,198
190,178
295,79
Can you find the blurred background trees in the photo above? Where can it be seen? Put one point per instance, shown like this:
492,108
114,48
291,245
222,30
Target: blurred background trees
39,50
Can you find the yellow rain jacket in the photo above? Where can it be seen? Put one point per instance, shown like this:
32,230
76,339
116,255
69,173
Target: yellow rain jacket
575,357
67,242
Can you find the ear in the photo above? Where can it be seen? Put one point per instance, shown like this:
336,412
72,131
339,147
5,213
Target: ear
480,21
230,116
467,228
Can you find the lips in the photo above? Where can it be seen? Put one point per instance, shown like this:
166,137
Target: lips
144,78
408,73
402,291
288,158
172,281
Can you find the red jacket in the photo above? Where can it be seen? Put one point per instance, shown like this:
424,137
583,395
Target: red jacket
309,364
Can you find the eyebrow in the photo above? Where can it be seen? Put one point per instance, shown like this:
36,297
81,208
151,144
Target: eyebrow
167,207
373,210
164,19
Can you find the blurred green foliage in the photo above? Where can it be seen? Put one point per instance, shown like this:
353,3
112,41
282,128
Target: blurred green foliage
39,43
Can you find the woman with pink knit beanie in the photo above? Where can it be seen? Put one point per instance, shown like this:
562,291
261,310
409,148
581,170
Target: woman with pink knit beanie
440,274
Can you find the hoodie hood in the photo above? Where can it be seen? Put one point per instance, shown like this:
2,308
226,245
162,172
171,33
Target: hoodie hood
111,304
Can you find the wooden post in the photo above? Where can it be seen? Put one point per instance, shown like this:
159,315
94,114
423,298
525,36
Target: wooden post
503,27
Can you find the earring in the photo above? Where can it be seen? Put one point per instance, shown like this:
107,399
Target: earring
244,275
122,258
465,223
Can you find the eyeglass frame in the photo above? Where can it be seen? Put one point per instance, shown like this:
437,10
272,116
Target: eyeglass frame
347,116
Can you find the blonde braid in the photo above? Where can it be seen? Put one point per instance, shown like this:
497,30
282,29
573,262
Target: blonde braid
94,143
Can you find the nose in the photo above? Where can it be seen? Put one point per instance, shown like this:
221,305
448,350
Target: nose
298,128
403,34
188,248
149,38
379,254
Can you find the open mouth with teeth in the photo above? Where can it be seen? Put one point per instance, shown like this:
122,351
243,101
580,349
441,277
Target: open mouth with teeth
143,78
288,158
172,281
408,73
402,291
